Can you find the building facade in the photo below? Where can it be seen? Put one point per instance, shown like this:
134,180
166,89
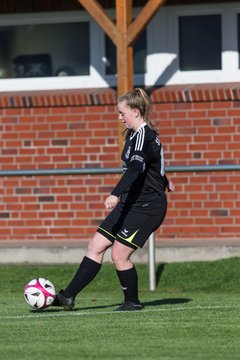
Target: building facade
58,111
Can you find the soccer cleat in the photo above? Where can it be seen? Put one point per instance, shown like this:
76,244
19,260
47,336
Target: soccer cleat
61,300
129,306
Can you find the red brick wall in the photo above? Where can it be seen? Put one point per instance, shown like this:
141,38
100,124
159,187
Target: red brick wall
198,125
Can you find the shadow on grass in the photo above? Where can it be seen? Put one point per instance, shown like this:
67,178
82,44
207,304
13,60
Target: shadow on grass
169,301
77,308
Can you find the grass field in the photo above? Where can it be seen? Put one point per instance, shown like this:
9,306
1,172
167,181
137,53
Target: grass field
193,314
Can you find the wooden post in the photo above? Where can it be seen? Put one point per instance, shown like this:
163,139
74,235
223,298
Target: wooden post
124,54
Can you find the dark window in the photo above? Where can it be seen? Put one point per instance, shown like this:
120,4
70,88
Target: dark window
200,42
139,55
44,50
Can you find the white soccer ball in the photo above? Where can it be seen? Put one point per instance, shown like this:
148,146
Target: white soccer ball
39,293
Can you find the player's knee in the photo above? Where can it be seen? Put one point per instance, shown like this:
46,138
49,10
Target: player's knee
118,258
98,244
118,261
91,246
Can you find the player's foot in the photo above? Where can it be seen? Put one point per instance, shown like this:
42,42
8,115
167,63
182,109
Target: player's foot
61,300
129,306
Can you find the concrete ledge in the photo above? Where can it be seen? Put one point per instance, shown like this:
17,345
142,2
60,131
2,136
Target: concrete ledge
74,254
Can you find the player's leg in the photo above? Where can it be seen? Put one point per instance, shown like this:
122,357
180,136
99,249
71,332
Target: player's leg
127,275
91,263
88,269
136,228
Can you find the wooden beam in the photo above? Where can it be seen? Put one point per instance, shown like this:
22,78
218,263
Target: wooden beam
143,18
124,52
101,17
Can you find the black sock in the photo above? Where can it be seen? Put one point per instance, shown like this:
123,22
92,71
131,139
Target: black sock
129,283
86,272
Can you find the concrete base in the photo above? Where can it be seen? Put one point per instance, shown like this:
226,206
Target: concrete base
58,253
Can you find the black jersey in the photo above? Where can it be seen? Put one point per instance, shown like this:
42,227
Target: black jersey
144,176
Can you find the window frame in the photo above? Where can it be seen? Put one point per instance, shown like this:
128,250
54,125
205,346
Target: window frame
173,75
54,82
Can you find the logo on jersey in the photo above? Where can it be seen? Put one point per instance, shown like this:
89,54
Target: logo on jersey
140,159
124,166
128,153
137,158
157,141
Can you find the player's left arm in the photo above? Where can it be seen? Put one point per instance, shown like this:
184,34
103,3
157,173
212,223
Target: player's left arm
170,186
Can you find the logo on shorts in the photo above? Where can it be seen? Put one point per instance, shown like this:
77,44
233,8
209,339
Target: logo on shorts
125,236
125,232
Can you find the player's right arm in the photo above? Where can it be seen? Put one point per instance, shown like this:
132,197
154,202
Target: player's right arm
111,201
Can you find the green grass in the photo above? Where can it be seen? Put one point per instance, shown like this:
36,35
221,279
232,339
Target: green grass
193,314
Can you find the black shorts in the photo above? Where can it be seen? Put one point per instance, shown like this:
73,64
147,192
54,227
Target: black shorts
132,225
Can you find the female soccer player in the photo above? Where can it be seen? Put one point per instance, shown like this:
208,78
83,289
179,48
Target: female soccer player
138,203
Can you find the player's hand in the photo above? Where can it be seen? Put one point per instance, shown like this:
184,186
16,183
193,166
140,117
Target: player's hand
111,201
170,186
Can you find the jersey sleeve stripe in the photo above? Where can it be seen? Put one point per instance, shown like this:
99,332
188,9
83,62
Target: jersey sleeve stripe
137,141
140,139
162,162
